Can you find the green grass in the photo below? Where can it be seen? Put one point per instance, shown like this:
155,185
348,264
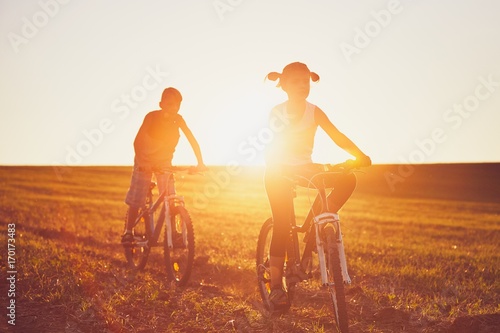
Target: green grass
417,263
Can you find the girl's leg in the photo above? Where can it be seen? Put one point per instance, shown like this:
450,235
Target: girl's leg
281,202
343,186
276,270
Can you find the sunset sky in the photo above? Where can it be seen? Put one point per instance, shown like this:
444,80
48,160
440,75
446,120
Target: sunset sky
408,81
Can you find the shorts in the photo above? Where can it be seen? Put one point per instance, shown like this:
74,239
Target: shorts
140,183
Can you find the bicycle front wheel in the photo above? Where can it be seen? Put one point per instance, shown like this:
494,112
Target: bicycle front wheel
137,253
335,279
179,258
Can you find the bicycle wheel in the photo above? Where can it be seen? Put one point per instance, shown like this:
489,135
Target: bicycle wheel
335,280
179,259
262,261
137,253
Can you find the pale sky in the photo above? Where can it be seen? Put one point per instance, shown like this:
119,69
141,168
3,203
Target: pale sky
407,81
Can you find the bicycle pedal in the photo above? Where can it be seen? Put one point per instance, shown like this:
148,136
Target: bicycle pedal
278,310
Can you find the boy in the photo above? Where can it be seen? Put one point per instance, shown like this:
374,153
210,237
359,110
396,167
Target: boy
154,148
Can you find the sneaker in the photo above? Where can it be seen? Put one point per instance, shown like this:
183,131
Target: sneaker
278,300
127,239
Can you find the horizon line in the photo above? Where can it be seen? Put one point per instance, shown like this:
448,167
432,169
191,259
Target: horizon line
226,165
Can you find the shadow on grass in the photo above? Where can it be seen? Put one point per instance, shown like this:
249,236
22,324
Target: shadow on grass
218,298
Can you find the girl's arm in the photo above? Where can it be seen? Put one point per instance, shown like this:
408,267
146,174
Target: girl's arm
338,137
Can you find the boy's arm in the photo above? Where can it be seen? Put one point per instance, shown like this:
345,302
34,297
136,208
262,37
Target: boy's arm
338,137
194,144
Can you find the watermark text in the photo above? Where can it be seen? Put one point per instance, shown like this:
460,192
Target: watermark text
30,27
11,273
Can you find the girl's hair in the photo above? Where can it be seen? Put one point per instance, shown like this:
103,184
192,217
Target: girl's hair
289,69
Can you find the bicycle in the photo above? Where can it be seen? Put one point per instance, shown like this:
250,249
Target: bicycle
178,239
323,235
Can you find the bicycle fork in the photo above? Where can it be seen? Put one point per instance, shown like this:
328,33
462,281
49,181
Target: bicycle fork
319,223
169,201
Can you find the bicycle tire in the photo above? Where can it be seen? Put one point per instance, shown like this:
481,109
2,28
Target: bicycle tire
335,279
179,259
138,252
262,261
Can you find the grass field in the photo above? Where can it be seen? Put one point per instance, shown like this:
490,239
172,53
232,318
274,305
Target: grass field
423,254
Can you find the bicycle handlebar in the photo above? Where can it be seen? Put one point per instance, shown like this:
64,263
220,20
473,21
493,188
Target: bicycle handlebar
187,169
349,165
309,177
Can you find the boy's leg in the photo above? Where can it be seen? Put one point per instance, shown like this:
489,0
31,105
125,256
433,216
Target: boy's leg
132,214
127,236
136,197
165,181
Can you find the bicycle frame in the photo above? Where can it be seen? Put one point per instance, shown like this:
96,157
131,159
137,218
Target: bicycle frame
169,202
163,218
178,242
323,235
312,227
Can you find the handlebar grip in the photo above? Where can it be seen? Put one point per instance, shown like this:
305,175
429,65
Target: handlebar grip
351,164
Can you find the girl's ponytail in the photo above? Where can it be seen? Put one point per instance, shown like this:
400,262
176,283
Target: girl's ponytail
274,76
314,77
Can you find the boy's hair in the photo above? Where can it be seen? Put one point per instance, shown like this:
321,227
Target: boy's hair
171,92
289,69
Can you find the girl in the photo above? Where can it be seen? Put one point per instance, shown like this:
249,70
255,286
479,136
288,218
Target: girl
290,153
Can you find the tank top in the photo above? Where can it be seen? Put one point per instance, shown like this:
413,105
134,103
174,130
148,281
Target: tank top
293,141
156,140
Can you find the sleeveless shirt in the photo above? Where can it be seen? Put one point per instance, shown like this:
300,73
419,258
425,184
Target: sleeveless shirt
293,140
156,140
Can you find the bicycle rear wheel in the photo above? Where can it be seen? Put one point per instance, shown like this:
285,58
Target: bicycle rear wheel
179,259
262,261
137,253
335,279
